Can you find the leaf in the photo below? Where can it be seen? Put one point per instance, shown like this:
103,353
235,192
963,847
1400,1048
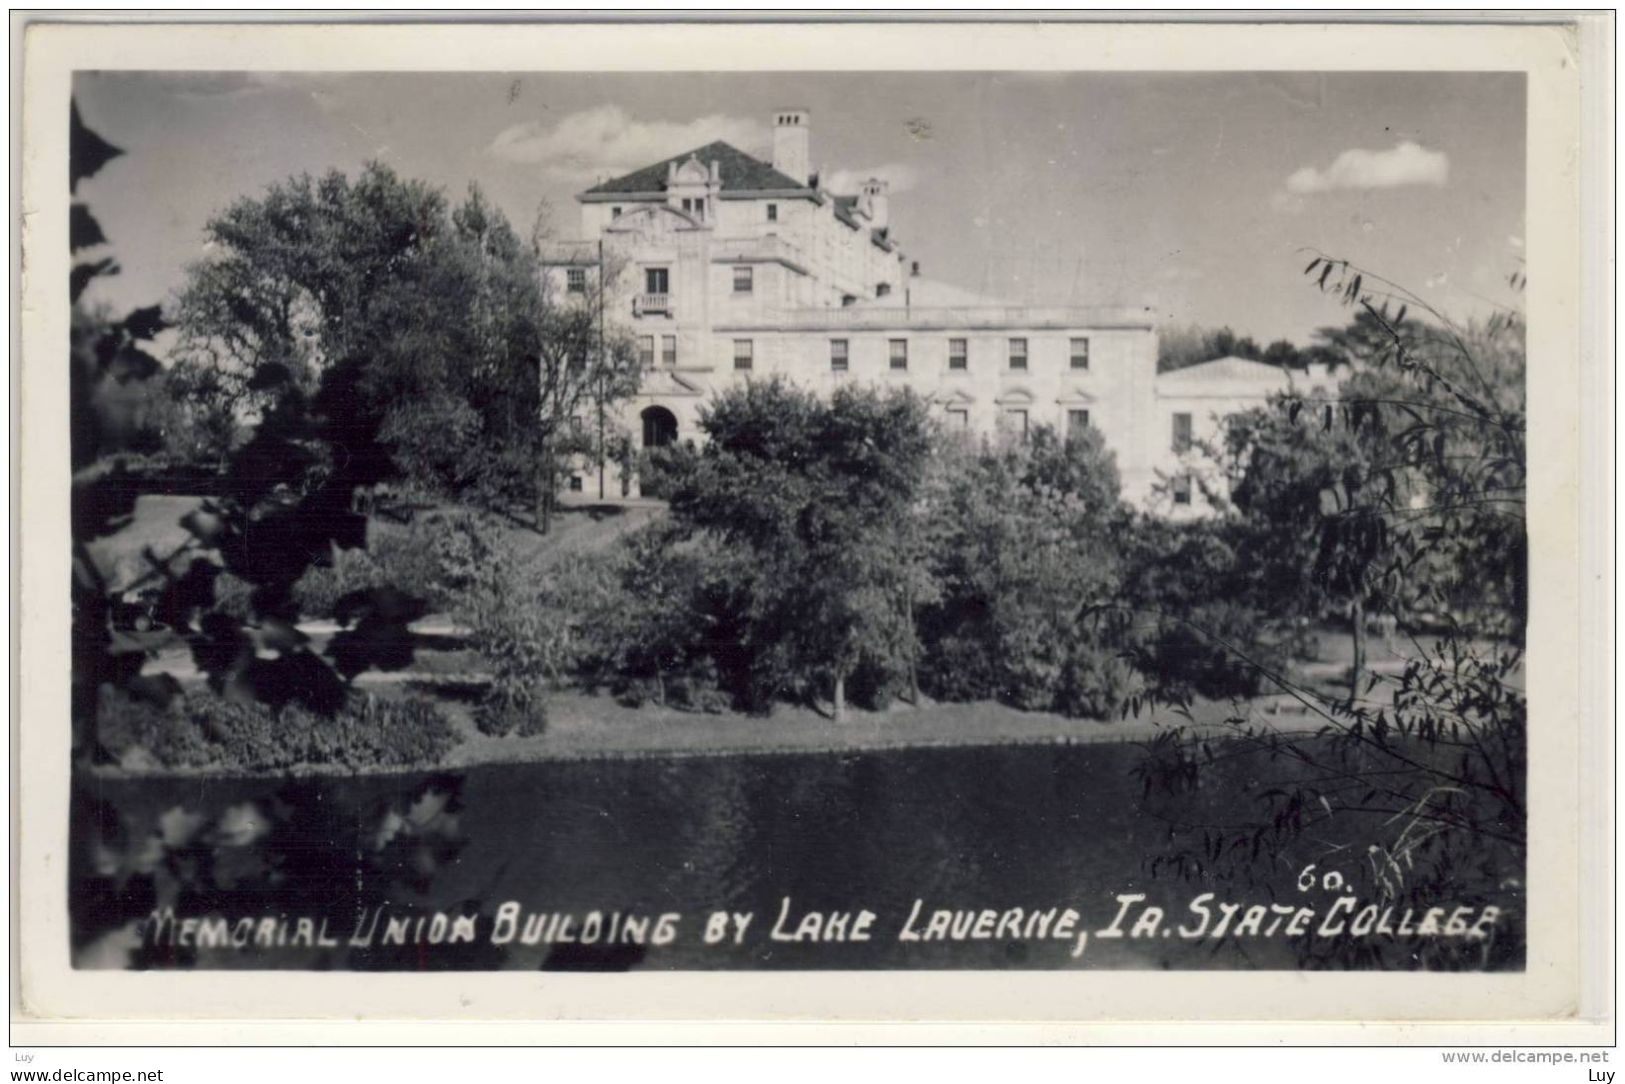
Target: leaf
81,275
272,374
83,229
132,363
87,151
144,323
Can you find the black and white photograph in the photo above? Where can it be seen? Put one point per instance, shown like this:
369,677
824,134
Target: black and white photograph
798,521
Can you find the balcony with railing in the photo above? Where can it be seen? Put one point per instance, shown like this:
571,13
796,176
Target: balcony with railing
652,305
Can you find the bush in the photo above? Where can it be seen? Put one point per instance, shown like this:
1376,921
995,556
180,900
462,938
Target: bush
126,727
440,557
533,638
1027,547
1217,651
233,596
1095,684
317,591
205,728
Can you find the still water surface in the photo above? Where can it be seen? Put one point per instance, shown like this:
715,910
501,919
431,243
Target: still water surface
967,828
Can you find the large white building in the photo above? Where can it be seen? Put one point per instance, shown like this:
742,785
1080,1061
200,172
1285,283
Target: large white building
729,268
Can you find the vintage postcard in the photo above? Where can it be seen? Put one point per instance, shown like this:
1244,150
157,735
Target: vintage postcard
866,522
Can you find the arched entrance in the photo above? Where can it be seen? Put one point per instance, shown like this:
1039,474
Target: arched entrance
659,427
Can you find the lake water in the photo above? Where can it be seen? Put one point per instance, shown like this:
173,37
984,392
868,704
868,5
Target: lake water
1043,829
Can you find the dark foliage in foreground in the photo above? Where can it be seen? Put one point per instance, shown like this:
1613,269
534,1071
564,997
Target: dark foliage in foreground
1404,496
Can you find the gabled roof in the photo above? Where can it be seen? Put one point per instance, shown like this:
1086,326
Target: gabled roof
740,172
1226,369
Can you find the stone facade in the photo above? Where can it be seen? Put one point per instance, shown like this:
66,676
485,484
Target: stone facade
725,268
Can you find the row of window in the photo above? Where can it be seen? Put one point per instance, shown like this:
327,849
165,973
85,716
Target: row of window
772,210
958,354
840,355
1019,420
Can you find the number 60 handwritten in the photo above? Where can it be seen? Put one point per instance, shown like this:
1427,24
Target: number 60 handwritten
1330,881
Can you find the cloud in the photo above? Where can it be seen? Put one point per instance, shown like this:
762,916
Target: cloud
606,141
850,181
1406,164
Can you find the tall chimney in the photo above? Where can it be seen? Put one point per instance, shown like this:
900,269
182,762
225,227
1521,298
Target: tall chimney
791,135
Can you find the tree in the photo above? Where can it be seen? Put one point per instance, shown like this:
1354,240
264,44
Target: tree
422,337
585,365
1409,488
817,493
1183,346
1023,552
1313,530
1282,354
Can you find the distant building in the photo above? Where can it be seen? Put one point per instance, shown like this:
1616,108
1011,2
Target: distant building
1190,404
731,269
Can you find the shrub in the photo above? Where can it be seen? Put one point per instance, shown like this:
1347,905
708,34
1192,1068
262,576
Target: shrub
1095,684
1026,546
439,557
374,732
125,725
532,640
319,589
233,597
205,728
1217,651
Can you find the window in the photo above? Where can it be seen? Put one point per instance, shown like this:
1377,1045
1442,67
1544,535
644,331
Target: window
744,355
1018,354
958,420
1080,353
695,207
646,351
668,350
575,280
1182,489
1077,422
772,212
882,289
1017,421
575,483
899,353
615,212
1182,432
656,280
837,355
744,280
578,359
958,355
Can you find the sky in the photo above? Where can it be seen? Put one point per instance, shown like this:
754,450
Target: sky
1200,196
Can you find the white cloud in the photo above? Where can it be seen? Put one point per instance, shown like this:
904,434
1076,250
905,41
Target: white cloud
606,141
847,182
1405,164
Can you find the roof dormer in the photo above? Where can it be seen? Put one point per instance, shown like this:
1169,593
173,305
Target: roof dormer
692,187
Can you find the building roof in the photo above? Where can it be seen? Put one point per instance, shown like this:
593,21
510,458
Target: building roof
740,172
1230,376
1231,368
933,293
